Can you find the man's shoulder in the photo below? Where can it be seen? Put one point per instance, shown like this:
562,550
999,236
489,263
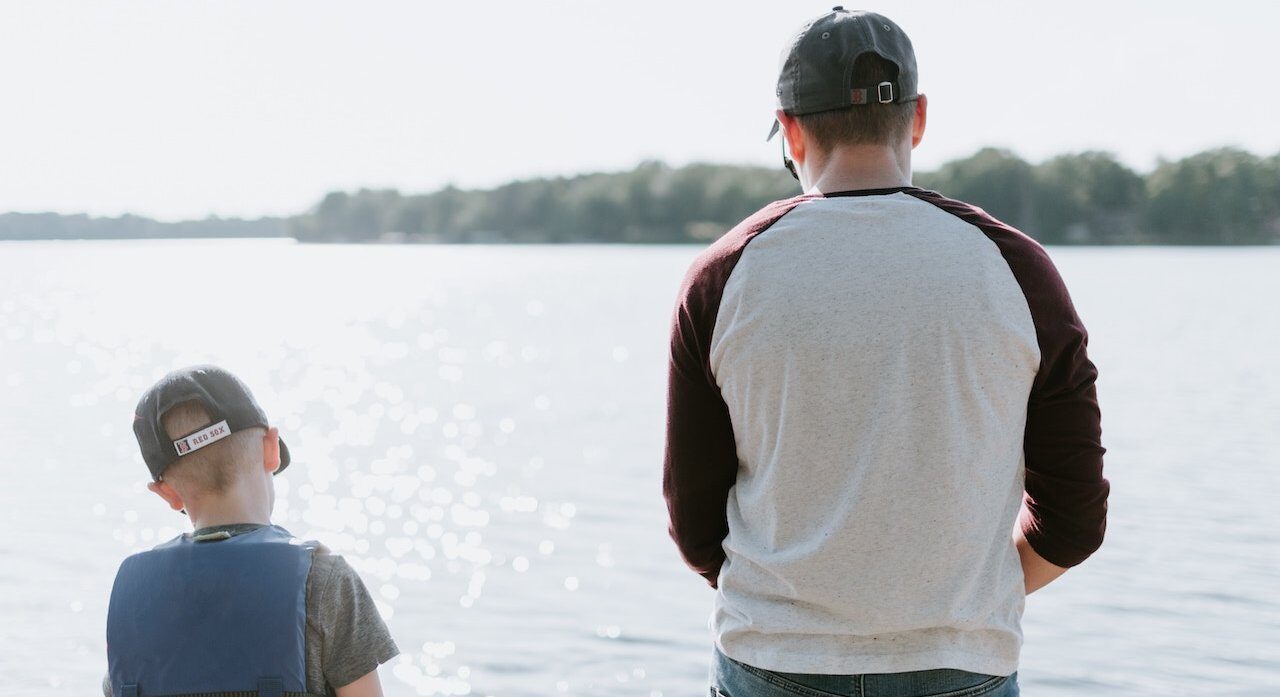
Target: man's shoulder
739,235
999,231
718,258
1027,259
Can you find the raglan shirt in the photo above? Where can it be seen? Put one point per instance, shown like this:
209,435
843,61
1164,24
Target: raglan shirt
345,637
868,390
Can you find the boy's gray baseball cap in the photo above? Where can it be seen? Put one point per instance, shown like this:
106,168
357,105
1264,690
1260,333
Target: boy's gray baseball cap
230,405
817,66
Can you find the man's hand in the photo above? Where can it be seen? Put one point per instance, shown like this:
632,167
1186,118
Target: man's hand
366,686
1036,570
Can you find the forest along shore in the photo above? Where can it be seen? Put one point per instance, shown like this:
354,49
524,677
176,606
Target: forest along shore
1218,197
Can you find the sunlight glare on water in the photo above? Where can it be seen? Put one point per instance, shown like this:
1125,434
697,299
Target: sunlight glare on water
478,430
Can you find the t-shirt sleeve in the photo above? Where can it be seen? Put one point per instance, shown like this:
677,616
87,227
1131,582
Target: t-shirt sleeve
1064,514
701,461
355,640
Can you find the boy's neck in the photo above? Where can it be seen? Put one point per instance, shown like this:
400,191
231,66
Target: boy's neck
212,514
247,500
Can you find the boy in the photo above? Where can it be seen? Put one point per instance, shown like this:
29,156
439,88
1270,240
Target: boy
239,606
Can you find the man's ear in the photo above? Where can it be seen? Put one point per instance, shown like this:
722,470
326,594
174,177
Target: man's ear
168,493
271,450
796,142
917,126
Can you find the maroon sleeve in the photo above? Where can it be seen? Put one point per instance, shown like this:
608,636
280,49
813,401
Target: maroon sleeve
1064,512
701,458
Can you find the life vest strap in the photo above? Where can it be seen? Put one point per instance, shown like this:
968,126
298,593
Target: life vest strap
267,687
270,687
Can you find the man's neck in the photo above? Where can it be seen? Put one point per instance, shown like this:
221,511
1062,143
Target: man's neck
853,167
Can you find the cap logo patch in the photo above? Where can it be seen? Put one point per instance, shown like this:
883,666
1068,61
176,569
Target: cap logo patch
858,96
205,436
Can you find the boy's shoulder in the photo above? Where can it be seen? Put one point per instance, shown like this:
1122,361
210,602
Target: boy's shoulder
328,568
352,637
334,587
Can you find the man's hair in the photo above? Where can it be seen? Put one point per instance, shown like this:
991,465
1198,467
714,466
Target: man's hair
864,124
215,467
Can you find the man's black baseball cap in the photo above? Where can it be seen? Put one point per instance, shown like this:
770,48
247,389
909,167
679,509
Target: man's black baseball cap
230,405
817,66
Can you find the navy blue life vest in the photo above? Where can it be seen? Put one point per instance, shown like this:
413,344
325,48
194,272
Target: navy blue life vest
224,616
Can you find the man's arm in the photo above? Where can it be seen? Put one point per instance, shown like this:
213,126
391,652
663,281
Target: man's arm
1037,571
1064,512
701,460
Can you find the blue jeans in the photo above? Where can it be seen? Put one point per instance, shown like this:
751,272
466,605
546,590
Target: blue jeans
730,678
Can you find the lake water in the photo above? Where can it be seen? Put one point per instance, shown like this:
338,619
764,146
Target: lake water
479,431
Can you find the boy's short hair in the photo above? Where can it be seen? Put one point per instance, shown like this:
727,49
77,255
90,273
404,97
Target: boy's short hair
864,124
214,468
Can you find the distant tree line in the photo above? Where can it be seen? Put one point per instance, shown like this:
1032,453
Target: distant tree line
52,226
1224,196
651,203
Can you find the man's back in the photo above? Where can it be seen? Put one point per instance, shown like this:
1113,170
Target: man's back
875,354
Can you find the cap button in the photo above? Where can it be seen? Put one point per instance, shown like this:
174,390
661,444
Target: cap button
838,8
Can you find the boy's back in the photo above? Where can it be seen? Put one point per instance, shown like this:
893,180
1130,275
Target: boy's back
341,636
240,605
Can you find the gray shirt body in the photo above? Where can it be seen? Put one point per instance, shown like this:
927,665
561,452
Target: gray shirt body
868,391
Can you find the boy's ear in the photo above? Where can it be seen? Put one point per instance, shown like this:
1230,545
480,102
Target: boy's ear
168,493
271,450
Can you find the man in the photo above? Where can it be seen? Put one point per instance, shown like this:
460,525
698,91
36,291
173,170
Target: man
882,423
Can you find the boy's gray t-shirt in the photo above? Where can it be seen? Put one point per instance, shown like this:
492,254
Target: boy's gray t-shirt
346,637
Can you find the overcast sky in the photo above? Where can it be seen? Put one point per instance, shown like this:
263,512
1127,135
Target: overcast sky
245,108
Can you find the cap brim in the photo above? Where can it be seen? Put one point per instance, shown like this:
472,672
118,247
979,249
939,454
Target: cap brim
284,457
773,131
